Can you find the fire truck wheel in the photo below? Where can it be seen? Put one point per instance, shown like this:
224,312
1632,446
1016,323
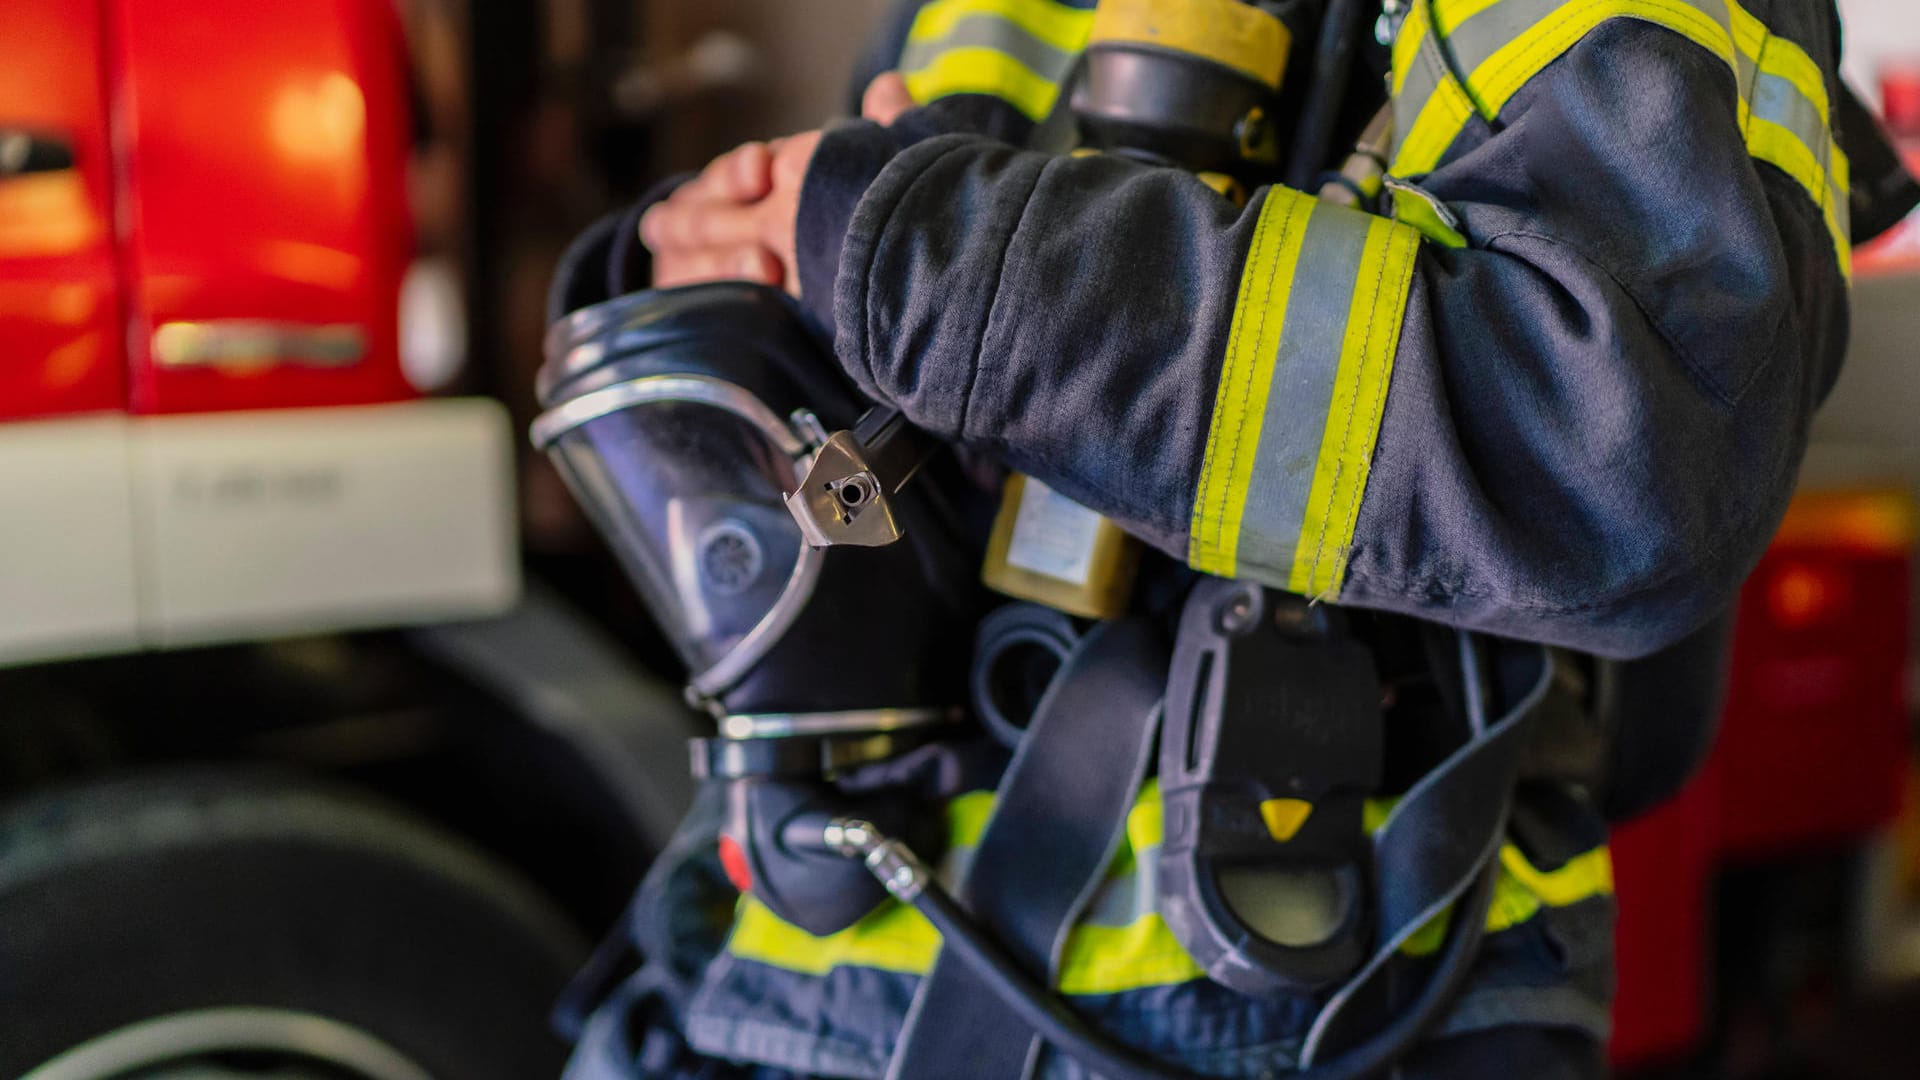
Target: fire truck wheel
228,924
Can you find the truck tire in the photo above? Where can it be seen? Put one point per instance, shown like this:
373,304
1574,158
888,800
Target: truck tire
232,923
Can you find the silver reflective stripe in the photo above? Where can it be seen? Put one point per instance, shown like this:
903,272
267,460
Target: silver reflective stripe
1745,70
1471,44
990,32
1475,41
1428,71
1304,367
1778,100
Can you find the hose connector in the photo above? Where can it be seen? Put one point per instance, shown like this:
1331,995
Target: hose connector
890,861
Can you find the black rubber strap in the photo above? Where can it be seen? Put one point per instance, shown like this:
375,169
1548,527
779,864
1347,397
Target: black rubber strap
1432,847
1060,815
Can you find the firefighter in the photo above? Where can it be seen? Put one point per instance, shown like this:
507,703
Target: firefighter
1553,391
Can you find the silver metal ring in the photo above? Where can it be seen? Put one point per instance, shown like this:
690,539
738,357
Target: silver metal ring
658,389
849,722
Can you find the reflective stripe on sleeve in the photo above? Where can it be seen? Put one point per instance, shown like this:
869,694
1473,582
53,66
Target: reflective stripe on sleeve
1301,393
1458,59
1019,51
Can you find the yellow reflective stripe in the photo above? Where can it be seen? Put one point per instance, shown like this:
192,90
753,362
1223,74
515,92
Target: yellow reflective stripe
1278,502
1779,56
1449,14
1496,81
1112,960
1812,158
1521,891
1240,402
1775,145
1406,46
1440,122
1749,33
1015,50
1745,45
1143,953
1146,825
1360,395
1422,212
1783,149
980,70
1143,830
1585,875
1058,25
894,938
967,818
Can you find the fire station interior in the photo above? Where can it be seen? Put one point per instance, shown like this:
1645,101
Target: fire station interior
333,736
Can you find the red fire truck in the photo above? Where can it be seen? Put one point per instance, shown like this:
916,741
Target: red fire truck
294,781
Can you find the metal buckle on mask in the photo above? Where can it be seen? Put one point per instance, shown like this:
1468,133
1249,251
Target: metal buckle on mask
844,497
704,688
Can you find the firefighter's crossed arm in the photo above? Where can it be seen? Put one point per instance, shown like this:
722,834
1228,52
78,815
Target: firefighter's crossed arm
1568,407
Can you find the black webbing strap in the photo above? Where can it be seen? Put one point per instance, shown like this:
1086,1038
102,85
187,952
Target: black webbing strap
1430,851
1059,817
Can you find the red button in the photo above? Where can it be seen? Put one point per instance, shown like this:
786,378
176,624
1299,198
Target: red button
734,862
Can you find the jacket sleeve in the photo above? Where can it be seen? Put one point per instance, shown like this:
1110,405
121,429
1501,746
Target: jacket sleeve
995,68
1581,427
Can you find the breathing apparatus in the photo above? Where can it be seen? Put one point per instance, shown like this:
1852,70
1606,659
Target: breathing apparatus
680,419
800,551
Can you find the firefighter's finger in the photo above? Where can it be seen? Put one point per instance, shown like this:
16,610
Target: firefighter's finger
886,98
738,262
738,176
747,172
760,266
791,157
671,227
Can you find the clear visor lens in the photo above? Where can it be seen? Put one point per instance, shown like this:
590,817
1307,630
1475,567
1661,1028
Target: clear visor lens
690,497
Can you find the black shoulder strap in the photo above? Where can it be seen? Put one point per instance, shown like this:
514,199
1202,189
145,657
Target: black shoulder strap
1059,818
1431,849
1883,192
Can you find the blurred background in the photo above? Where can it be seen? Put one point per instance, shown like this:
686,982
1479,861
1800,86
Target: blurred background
330,736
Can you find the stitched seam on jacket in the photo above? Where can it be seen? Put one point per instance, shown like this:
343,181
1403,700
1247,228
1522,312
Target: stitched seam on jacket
993,302
1428,587
1353,408
1273,273
1203,497
1438,51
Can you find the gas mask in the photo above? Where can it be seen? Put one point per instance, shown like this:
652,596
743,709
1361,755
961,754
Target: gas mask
682,419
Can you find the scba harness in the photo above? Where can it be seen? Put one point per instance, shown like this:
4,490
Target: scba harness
1175,855
1222,831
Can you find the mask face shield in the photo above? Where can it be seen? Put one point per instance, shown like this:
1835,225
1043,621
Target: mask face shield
680,419
685,476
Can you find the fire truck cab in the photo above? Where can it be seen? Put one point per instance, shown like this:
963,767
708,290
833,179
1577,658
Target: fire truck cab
294,780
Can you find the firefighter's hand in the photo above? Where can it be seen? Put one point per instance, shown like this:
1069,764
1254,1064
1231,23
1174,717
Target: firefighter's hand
707,230
735,221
